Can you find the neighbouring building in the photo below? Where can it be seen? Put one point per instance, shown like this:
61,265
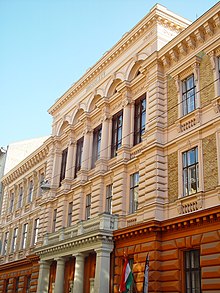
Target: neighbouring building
132,168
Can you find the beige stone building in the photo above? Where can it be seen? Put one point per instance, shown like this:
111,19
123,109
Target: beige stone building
132,167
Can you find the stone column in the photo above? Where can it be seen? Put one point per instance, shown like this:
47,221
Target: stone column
126,128
56,165
105,143
102,270
59,281
79,273
43,279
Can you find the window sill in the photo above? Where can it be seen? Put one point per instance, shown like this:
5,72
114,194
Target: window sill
188,121
190,203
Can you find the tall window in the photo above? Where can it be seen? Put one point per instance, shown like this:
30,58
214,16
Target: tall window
28,284
134,186
88,206
36,230
190,171
14,240
20,196
117,122
6,285
41,181
30,191
192,271
16,284
24,236
54,220
109,192
79,149
11,204
139,119
5,245
97,133
188,94
63,164
70,212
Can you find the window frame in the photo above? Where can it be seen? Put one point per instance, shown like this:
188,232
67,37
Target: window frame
41,181
11,203
54,220
5,244
133,192
24,236
97,135
88,206
78,160
186,168
117,126
20,196
70,214
14,240
63,165
30,190
35,230
139,113
190,270
28,283
185,92
109,195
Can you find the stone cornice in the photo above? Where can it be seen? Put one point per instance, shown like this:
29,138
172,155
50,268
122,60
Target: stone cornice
34,158
158,14
207,216
196,34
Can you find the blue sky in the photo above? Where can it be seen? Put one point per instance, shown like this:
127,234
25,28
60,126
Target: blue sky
47,45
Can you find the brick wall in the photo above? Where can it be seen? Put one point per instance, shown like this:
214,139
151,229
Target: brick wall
207,90
173,177
210,167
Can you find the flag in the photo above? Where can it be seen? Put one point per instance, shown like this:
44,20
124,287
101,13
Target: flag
146,272
127,277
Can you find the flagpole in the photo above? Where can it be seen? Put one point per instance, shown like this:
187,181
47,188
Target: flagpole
146,273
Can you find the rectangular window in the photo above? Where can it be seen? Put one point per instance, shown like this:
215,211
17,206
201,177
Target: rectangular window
54,220
30,191
192,271
139,119
70,212
36,230
11,204
63,165
16,284
24,236
190,171
6,285
20,196
97,133
88,206
79,149
41,181
28,284
134,186
117,122
109,192
188,95
14,240
5,245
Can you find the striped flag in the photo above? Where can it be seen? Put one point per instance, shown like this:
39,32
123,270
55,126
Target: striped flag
127,277
146,273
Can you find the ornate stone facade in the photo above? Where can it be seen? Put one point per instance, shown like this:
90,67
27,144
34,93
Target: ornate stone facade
127,168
